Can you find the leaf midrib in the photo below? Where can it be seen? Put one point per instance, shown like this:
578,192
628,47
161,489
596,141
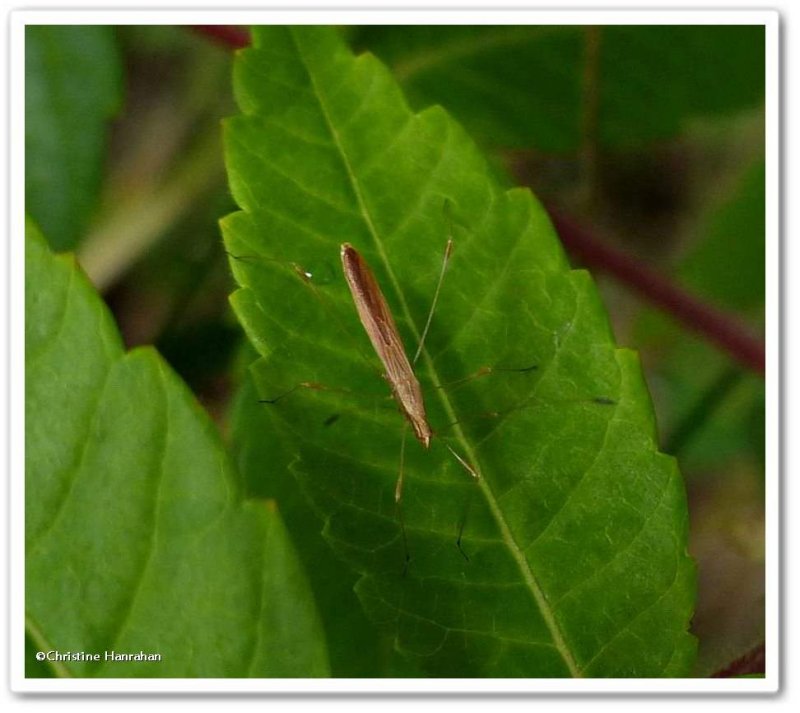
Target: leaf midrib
505,530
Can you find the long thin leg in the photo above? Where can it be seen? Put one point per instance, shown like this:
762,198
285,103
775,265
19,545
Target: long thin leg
477,476
307,279
469,468
398,488
486,371
447,251
462,523
398,499
312,385
315,386
335,316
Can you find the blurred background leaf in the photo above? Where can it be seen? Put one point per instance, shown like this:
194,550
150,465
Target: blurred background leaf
154,248
525,86
73,86
725,264
712,418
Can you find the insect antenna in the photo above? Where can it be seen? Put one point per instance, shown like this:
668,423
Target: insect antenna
445,260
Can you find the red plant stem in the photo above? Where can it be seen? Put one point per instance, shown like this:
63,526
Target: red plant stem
231,36
752,662
724,330
712,323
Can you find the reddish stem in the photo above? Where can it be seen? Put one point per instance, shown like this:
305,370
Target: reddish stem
717,326
714,324
752,662
231,36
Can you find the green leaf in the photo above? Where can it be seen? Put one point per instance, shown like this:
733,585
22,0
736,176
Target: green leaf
684,371
137,538
354,647
576,532
73,85
523,86
736,229
33,667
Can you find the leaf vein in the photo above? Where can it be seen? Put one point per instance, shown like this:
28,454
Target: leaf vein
124,621
630,622
619,553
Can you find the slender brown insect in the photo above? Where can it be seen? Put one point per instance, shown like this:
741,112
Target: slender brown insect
378,322
382,331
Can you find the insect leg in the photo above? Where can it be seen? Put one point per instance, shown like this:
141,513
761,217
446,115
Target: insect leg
398,499
307,279
462,522
470,469
485,371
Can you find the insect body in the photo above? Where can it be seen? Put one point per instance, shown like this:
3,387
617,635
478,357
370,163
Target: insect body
380,326
382,331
